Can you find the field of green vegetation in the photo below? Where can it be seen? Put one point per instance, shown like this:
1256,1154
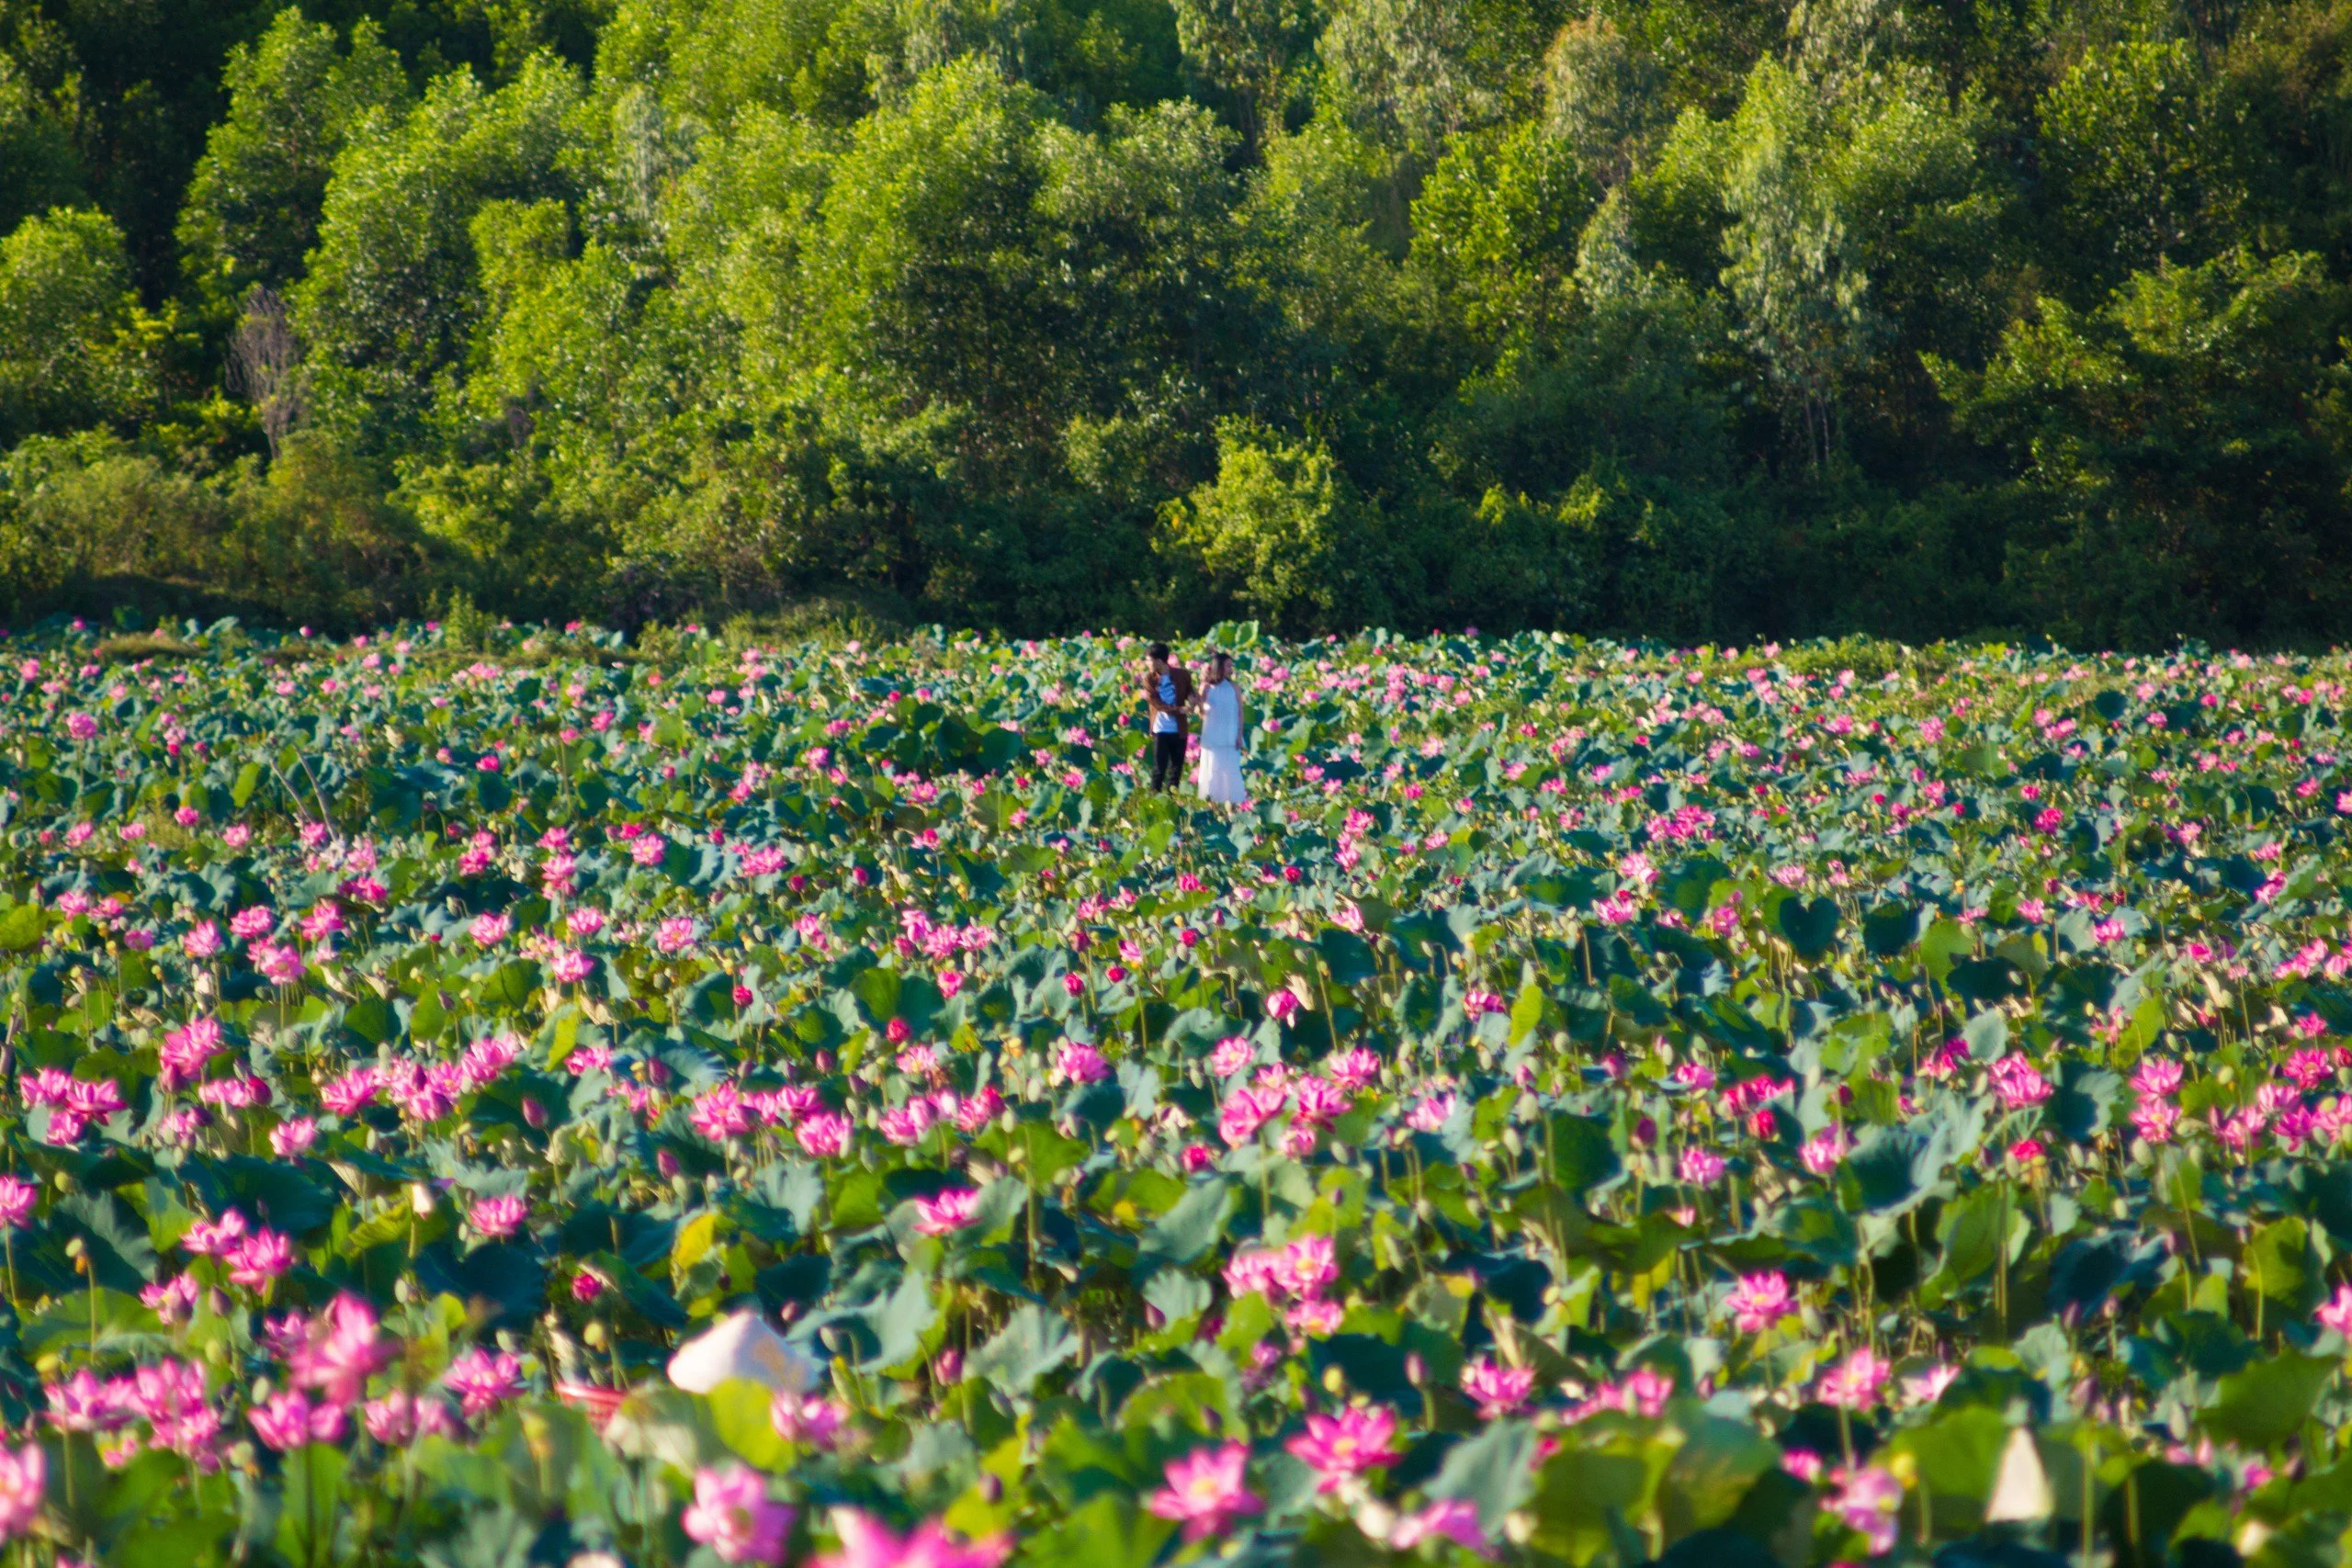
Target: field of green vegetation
701,1102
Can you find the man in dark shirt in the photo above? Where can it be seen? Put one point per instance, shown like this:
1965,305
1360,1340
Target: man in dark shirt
1168,696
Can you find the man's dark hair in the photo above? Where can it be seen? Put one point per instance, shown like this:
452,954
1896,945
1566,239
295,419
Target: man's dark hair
1158,651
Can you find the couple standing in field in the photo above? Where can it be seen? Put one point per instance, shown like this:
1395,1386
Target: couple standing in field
1171,697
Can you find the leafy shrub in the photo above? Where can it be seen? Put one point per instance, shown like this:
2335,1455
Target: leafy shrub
92,518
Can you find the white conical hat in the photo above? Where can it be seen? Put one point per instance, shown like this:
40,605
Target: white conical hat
2021,1490
741,1345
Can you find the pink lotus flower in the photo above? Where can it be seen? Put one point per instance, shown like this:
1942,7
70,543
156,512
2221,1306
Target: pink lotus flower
2155,1119
346,1094
1081,1063
1759,1301
825,1135
280,963
292,1138
399,1418
1206,1489
340,1350
1644,1392
1340,1446
1700,1167
1246,1110
185,1051
1498,1389
1926,1388
2336,1310
906,1124
482,1380
721,1114
1854,1382
1315,1317
82,1404
1308,1265
1448,1518
2019,1083
18,1197
1232,1054
258,1259
947,1213
289,1420
733,1515
24,1479
1822,1152
1255,1273
810,1418
1321,1101
867,1542
1433,1112
1867,1500
499,1216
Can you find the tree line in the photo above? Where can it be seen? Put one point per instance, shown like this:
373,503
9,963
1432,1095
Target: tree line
1699,319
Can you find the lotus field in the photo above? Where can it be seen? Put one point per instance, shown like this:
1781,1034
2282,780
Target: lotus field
705,1103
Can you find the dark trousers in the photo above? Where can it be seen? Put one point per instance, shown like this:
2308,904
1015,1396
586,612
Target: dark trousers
1167,760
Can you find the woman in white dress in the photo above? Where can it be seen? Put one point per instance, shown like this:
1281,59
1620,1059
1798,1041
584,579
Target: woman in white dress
1222,732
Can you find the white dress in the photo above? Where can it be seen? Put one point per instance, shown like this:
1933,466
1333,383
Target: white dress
1219,780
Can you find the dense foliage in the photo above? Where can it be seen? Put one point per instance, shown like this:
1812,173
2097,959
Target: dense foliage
1754,1110
1692,318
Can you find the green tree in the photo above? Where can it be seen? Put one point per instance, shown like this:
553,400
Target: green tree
295,99
1605,98
925,293
70,348
38,166
1495,230
1281,534
392,293
2142,159
1842,196
1250,48
710,60
2179,447
1415,72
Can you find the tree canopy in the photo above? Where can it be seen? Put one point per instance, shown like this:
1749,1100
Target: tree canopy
1687,317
